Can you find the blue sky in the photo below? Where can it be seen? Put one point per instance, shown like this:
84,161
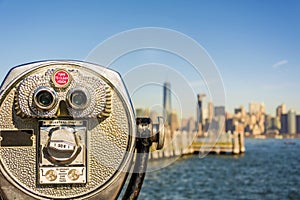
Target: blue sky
255,44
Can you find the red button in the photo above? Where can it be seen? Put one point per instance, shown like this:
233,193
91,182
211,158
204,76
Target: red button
61,78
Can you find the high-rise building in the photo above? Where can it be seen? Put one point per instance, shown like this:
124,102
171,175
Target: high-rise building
210,109
200,120
167,102
281,109
291,122
284,123
278,111
219,111
298,123
184,124
219,116
257,118
191,124
255,107
229,124
243,111
237,110
200,107
188,124
268,122
276,123
174,122
221,123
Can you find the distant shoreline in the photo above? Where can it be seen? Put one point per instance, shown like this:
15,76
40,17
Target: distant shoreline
274,136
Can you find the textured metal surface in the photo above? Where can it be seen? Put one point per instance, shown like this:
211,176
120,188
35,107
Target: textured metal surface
109,134
97,89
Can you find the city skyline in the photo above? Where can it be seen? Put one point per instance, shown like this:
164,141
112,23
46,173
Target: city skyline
255,44
206,113
215,120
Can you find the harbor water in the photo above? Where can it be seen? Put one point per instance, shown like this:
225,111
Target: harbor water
270,169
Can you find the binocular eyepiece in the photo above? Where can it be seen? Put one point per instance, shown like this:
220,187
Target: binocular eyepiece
68,131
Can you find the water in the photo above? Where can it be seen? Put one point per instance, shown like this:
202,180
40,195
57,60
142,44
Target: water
270,169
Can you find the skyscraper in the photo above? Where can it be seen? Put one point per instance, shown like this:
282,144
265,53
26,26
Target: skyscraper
210,111
219,111
257,118
291,122
167,102
281,109
298,123
241,112
255,107
200,108
200,120
284,123
276,123
174,125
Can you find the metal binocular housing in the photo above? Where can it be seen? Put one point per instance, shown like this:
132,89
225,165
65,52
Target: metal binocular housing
68,131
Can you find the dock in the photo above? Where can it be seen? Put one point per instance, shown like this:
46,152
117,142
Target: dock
235,145
185,143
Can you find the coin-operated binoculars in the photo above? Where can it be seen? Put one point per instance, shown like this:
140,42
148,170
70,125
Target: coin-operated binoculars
68,131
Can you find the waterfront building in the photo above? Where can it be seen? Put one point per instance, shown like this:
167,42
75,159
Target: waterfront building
255,107
256,121
284,123
298,123
200,119
167,102
229,124
184,124
241,119
188,124
239,127
200,108
210,109
281,109
218,122
206,125
213,126
237,110
261,123
221,123
174,124
291,121
276,123
272,124
268,122
219,111
191,124
240,112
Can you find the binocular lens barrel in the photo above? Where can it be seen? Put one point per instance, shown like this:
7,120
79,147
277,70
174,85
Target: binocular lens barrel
78,98
45,98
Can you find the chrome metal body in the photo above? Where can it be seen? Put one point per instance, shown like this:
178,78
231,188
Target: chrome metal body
60,149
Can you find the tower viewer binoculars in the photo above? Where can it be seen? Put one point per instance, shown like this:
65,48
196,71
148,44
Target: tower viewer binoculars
68,131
